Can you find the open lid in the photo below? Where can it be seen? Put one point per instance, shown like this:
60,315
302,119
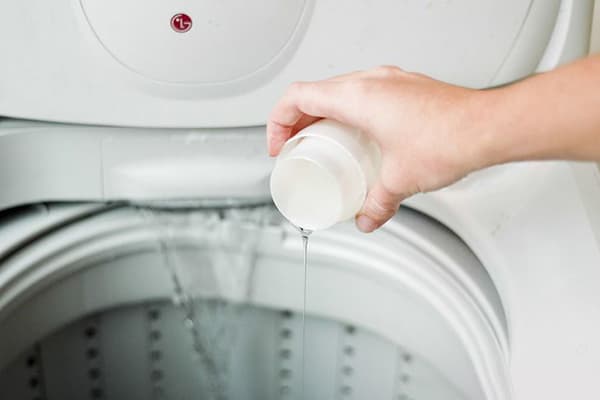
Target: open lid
202,63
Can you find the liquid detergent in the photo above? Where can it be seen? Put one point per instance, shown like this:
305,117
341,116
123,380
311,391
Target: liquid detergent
320,178
305,234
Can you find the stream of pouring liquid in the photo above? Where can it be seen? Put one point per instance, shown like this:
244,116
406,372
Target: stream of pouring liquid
305,234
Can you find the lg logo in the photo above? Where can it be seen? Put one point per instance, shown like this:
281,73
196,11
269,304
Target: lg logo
181,23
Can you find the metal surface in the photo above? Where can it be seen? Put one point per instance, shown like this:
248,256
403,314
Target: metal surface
414,284
143,352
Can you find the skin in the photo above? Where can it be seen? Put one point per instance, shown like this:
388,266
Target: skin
432,133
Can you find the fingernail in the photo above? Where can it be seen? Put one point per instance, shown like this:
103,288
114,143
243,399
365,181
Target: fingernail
365,224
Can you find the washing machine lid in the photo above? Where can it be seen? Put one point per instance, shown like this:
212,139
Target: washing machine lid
53,162
206,64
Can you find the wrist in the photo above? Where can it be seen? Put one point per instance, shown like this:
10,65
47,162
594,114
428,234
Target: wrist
496,123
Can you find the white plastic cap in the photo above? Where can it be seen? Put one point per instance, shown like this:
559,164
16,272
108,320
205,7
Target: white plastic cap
322,175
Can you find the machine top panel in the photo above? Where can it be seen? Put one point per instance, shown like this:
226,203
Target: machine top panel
223,64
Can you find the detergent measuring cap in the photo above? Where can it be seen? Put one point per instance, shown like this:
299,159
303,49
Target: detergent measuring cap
323,173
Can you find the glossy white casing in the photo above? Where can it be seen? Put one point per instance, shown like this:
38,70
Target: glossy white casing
115,62
535,226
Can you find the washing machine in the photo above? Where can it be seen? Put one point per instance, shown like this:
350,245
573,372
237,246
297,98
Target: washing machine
141,257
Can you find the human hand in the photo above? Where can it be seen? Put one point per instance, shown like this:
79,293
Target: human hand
426,130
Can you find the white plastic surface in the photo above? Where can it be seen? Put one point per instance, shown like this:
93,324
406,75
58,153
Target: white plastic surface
323,174
58,69
50,162
569,39
536,228
234,38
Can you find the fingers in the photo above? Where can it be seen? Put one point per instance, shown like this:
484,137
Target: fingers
384,71
306,102
379,206
292,110
303,104
303,122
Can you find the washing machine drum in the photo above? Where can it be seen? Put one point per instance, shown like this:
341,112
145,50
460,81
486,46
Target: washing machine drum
125,302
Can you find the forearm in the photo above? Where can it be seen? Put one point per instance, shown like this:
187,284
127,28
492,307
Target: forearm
555,115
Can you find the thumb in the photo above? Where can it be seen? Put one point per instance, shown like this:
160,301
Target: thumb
379,206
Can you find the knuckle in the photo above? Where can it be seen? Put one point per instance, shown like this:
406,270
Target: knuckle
389,70
358,87
378,209
418,75
295,86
